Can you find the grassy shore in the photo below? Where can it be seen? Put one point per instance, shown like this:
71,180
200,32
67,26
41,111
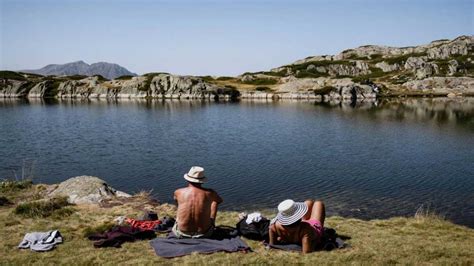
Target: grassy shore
425,239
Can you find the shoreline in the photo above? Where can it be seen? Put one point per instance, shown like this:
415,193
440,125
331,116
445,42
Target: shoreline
425,238
275,97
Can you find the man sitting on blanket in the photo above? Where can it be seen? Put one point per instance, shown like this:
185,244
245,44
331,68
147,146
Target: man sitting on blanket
298,223
197,207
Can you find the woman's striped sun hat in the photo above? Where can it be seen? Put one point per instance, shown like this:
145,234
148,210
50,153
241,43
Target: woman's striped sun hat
290,212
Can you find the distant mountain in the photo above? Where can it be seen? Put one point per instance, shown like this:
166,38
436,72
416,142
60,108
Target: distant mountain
107,70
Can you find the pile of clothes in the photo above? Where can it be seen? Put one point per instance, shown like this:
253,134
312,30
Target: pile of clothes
41,241
130,230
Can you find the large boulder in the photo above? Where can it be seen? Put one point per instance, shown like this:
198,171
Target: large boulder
85,190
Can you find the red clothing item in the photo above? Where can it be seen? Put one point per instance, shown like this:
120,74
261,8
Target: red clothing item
145,225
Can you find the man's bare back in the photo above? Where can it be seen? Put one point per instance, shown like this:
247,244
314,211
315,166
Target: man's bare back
197,208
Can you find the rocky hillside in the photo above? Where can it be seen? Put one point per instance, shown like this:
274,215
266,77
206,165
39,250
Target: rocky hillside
104,69
151,85
441,68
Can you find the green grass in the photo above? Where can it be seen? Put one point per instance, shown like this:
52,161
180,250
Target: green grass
262,88
207,79
44,208
5,74
76,77
401,59
125,77
261,81
421,240
52,85
4,201
97,229
310,74
100,78
13,185
322,63
225,78
375,73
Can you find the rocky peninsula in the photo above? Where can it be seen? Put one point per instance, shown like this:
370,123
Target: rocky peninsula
440,68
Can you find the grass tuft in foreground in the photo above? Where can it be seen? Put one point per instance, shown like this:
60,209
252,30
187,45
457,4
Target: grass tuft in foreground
12,185
44,208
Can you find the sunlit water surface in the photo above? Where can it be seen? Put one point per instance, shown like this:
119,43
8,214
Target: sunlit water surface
365,160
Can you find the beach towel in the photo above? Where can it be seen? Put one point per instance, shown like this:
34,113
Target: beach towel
41,241
116,236
171,247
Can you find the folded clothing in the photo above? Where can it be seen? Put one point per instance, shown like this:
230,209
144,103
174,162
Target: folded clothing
254,217
41,241
172,247
145,225
116,236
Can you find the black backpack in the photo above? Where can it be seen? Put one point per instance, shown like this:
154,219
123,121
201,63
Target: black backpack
254,231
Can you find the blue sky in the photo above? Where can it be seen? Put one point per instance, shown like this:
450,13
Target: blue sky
215,37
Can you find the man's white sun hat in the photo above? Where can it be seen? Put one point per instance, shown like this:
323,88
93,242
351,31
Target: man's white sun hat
195,175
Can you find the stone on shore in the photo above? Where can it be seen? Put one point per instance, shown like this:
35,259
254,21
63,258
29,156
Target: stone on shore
85,190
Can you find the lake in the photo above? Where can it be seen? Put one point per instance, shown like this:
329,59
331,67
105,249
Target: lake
373,160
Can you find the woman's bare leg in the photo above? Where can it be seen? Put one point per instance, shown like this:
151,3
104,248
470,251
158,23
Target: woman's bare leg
308,203
318,212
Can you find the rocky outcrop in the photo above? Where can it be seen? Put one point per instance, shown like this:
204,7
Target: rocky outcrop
354,73
463,85
11,88
42,90
85,190
174,87
325,89
459,46
387,67
420,67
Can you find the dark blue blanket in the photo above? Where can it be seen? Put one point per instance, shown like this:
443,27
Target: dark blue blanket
171,247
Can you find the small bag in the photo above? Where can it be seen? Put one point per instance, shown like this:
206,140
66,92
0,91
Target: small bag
254,231
149,216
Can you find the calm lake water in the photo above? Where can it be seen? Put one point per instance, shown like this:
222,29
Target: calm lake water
367,161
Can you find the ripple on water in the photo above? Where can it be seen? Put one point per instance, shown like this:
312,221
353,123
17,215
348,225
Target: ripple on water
365,162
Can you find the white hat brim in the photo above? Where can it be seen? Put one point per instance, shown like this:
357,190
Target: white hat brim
301,210
195,180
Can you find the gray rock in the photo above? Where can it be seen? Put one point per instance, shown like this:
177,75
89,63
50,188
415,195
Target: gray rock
387,67
442,84
172,86
452,67
86,190
311,67
420,67
14,88
40,90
